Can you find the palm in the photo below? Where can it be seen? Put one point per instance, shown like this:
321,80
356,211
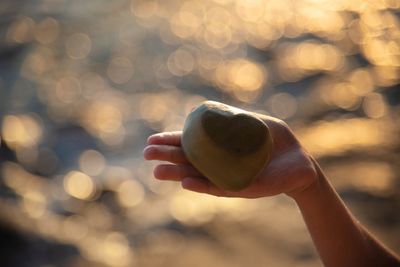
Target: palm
289,171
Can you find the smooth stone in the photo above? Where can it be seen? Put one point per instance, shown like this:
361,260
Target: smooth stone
228,145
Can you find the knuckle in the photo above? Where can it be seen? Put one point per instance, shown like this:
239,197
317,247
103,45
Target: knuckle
150,151
182,172
172,155
158,170
176,155
282,126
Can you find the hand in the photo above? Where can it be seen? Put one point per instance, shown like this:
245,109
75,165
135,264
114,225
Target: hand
291,170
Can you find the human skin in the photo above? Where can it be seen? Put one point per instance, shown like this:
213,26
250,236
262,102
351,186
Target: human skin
338,237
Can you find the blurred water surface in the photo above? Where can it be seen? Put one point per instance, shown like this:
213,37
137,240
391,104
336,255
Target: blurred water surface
83,83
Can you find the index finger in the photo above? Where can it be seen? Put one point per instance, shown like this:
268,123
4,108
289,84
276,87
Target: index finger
165,138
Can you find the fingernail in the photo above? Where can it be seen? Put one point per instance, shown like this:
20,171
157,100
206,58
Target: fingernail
146,152
184,183
149,139
152,139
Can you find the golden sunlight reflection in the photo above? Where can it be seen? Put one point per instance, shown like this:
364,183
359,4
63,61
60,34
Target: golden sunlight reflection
31,188
194,209
115,175
14,177
78,45
83,86
361,81
324,137
250,10
181,62
192,14
342,96
374,177
144,8
386,75
98,216
75,228
282,105
192,102
91,84
120,70
47,31
154,108
374,105
79,185
197,211
156,241
218,31
130,193
92,162
306,58
209,61
242,78
50,226
105,120
115,251
21,130
38,63
109,249
21,30
68,89
34,203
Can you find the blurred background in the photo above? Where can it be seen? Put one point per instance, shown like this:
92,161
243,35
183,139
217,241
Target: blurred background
83,83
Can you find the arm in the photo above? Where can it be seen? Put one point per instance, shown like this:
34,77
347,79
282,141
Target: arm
338,237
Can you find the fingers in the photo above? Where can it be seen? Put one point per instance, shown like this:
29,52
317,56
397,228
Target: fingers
166,138
172,154
175,172
190,178
201,185
196,185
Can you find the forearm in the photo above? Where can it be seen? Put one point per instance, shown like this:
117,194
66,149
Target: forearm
339,238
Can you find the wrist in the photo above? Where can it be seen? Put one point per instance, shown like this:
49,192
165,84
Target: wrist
315,190
311,193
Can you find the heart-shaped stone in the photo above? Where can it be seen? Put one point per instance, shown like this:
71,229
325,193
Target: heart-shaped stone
227,145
